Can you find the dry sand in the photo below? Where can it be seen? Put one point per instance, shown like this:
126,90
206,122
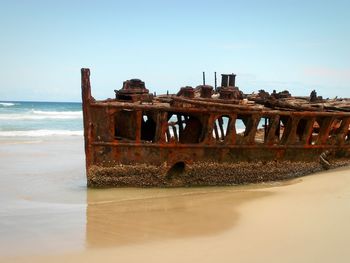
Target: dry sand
47,215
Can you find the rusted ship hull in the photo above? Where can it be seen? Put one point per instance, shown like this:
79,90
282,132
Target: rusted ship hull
139,140
233,170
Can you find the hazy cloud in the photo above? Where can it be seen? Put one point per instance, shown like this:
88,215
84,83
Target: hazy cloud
340,74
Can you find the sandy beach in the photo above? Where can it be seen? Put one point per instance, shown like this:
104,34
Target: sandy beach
48,215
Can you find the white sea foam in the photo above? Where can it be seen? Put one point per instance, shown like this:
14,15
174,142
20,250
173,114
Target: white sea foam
54,113
42,115
7,104
40,133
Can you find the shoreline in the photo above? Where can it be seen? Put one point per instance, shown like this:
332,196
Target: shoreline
48,214
302,230
275,222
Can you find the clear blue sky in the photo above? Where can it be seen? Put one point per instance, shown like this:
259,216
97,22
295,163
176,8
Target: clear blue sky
295,45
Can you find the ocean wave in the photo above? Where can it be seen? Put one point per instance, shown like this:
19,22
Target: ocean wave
40,133
42,115
7,104
55,113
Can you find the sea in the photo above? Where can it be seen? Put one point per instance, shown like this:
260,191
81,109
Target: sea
35,119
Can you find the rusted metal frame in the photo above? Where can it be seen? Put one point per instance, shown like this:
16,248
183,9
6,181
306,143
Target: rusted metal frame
176,137
223,133
180,122
266,127
172,139
251,129
274,124
161,127
221,102
217,137
111,115
309,127
220,146
215,104
88,126
110,122
292,137
333,131
290,131
168,135
342,131
110,106
231,130
284,105
168,126
138,126
286,130
278,131
204,122
208,134
224,111
89,154
325,127
111,110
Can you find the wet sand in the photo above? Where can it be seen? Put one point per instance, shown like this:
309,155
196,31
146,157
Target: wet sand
48,215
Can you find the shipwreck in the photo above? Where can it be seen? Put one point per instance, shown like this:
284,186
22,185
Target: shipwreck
210,135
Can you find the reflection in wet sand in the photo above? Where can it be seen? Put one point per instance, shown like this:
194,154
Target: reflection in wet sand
48,215
126,216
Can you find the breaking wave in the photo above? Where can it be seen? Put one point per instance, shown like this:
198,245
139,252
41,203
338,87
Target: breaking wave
7,104
40,133
54,113
41,115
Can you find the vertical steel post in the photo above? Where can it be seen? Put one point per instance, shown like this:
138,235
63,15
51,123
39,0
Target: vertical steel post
215,81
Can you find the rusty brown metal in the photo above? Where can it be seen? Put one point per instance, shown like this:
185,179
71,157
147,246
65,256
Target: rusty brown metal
206,91
187,92
206,137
